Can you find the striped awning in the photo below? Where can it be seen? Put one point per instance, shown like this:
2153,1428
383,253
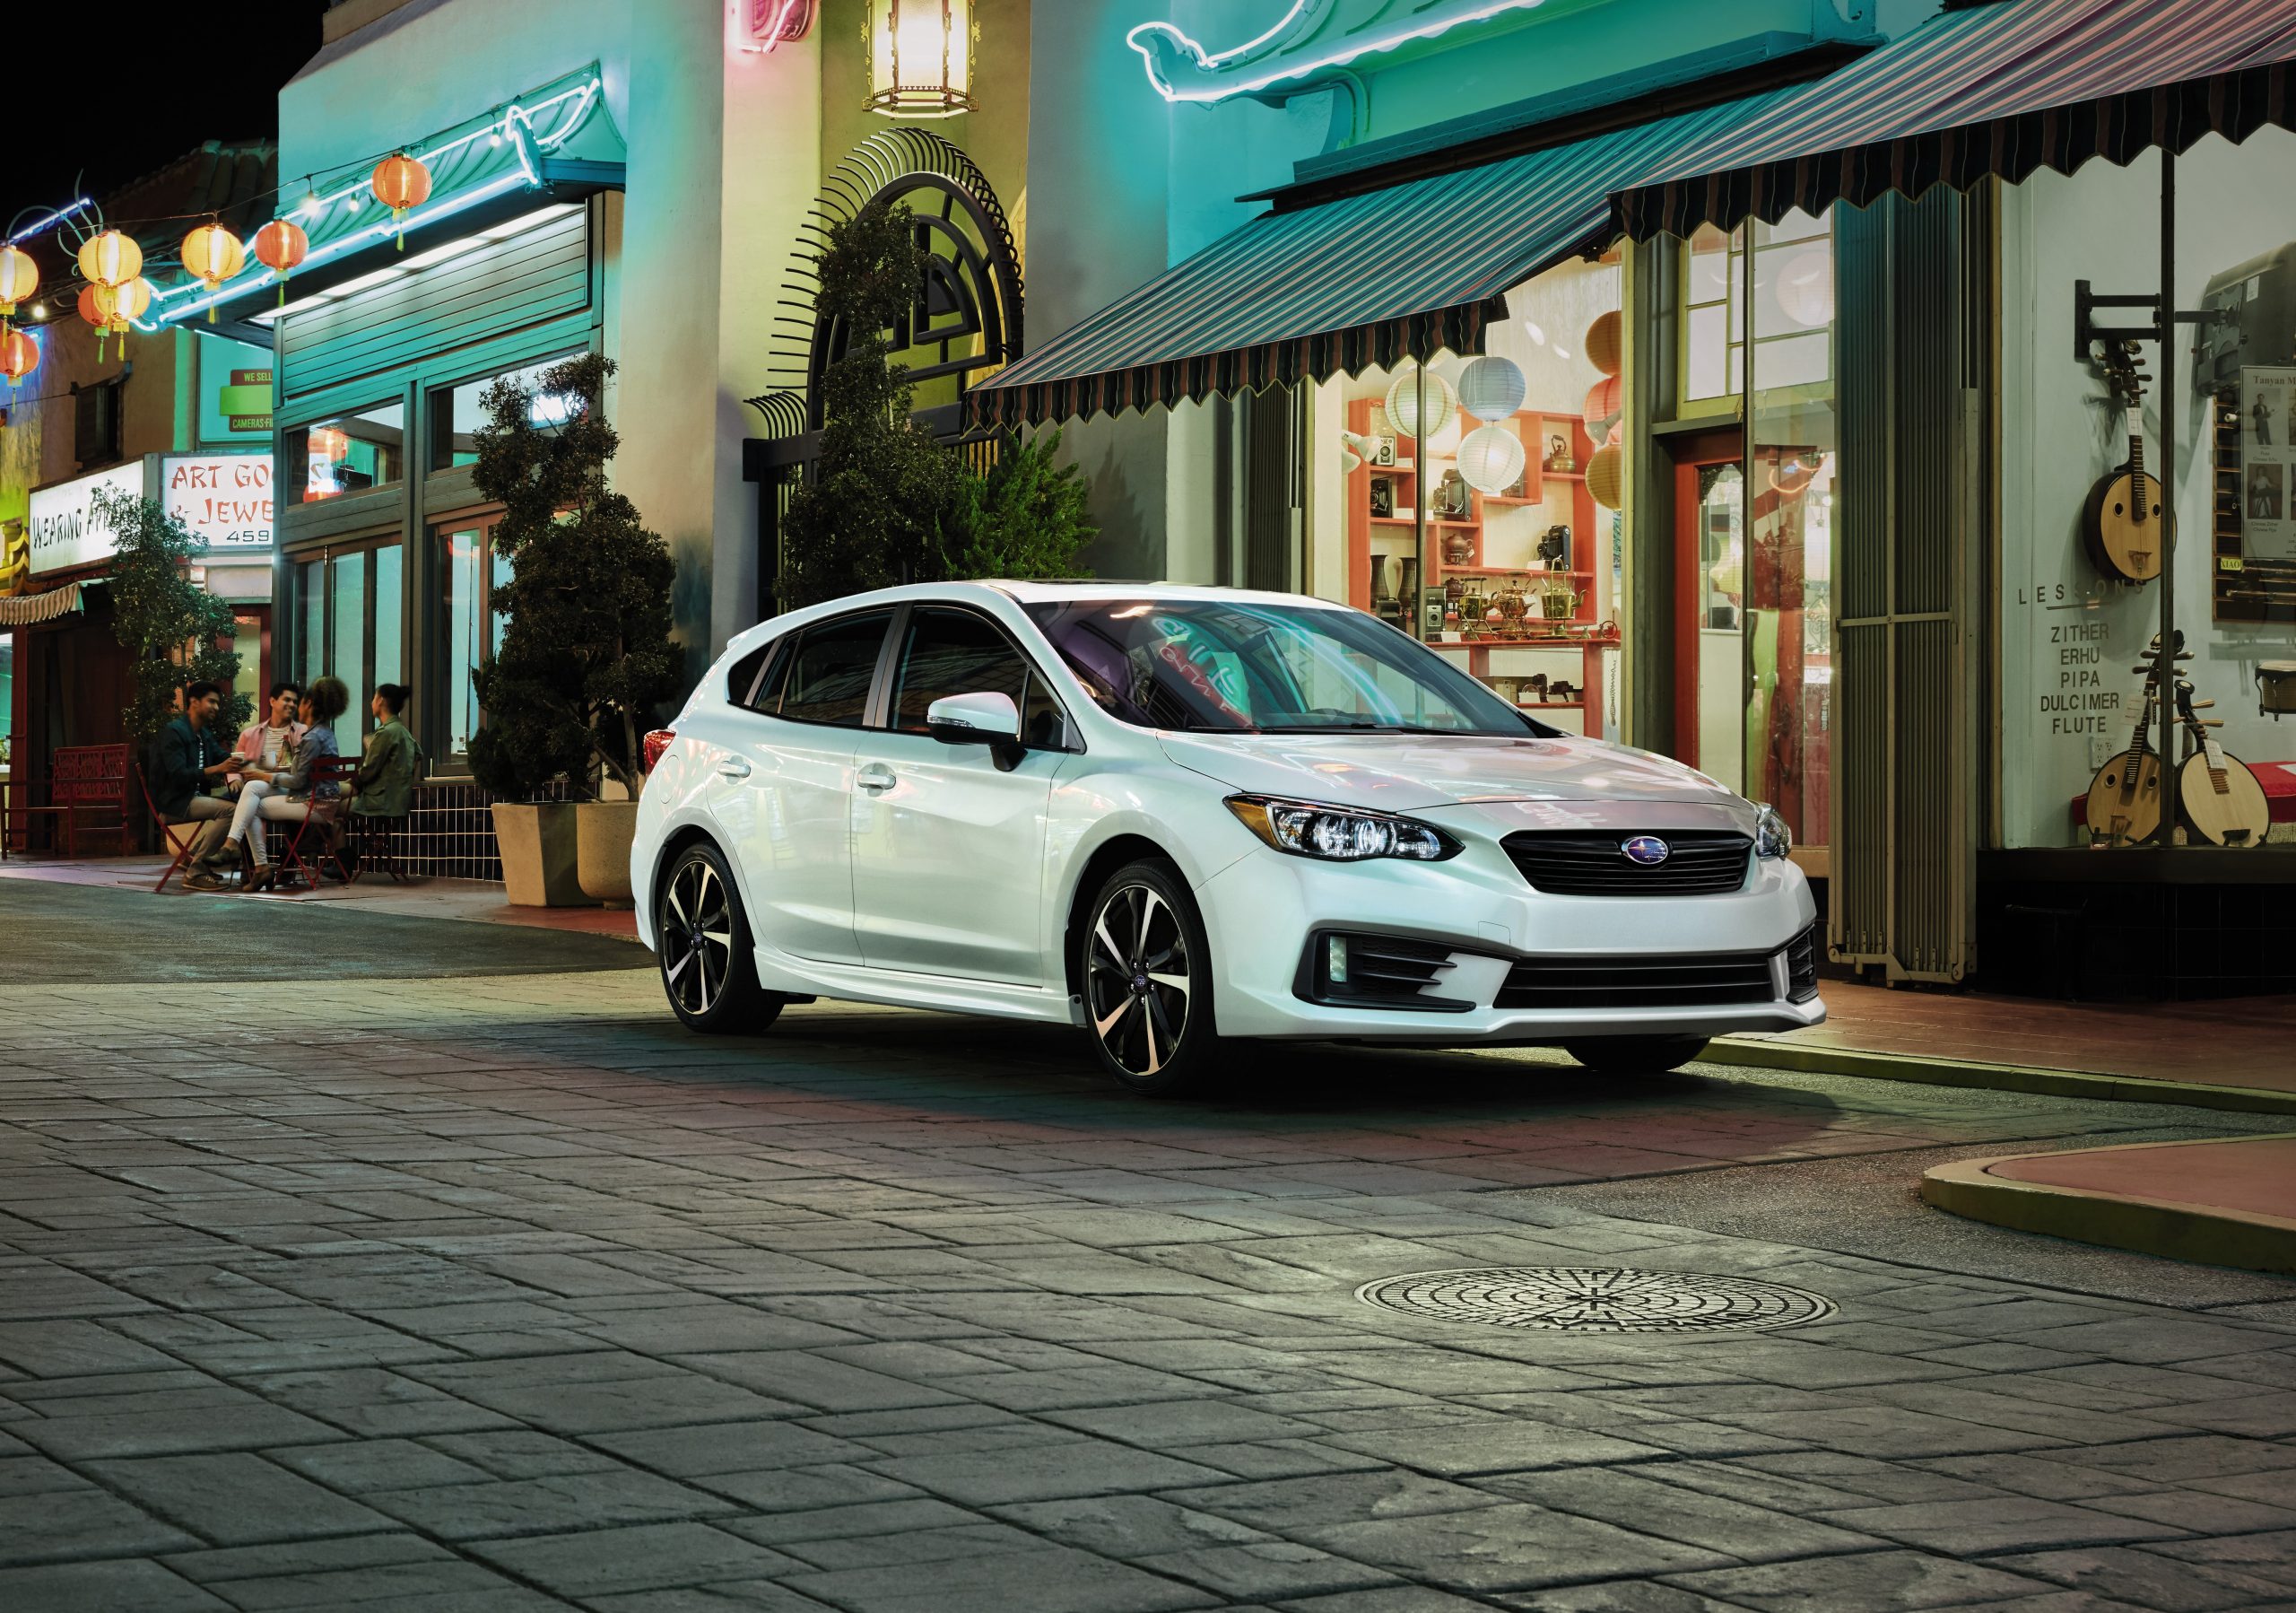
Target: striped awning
25,609
1366,280
1995,90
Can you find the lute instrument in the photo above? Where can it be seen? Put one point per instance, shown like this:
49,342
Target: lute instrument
2223,802
2122,521
2124,795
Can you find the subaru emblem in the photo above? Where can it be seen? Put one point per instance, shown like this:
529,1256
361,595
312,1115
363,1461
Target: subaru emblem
1647,849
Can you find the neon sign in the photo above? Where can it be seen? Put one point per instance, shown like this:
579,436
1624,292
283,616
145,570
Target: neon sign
1180,69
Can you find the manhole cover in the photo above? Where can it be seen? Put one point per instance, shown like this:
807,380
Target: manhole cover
1596,1299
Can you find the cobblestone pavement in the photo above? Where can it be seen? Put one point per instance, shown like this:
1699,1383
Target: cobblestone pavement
525,1298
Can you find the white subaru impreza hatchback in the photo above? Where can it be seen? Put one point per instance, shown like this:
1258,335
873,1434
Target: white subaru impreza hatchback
1174,818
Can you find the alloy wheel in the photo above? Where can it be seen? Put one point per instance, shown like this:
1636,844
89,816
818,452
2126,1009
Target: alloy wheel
697,936
1137,979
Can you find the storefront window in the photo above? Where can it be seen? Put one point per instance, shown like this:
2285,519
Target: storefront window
1713,272
2080,718
352,453
471,572
1517,579
456,414
350,616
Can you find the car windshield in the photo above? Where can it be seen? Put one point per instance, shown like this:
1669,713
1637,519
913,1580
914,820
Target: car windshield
1252,667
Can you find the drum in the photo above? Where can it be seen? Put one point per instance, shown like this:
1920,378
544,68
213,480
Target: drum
2276,689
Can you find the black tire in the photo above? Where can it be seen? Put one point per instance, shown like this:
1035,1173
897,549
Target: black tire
702,945
1636,1055
1147,971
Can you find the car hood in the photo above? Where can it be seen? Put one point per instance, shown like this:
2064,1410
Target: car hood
1422,773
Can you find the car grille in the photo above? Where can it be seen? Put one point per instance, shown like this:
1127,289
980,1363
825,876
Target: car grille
1693,981
1700,862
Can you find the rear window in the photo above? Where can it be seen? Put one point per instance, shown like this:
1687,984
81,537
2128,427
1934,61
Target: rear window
830,670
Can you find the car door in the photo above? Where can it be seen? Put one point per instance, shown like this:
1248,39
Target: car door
948,847
786,798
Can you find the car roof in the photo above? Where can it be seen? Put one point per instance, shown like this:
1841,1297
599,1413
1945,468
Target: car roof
1037,589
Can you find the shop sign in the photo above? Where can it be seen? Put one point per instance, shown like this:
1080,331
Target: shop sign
64,529
234,390
225,498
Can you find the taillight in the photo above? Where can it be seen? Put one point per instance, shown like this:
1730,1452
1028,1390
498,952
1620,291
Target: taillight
657,742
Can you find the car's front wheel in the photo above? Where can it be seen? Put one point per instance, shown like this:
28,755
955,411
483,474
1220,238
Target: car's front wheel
702,942
1636,1055
1147,973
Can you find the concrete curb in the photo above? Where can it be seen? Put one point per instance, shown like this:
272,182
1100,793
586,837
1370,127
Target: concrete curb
1759,1054
2180,1232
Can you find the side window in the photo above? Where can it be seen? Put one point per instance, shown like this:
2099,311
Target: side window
830,670
741,677
954,652
1044,725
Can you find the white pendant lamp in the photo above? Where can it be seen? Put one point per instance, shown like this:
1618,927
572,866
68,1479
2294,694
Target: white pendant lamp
1404,397
1491,389
1490,458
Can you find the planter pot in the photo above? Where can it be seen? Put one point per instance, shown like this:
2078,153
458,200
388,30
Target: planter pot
538,855
603,831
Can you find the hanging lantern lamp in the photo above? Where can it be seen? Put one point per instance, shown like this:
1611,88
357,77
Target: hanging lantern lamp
19,278
1604,343
1491,389
213,255
18,354
1491,459
920,57
110,258
279,245
1606,477
1601,409
95,317
1403,400
401,182
121,306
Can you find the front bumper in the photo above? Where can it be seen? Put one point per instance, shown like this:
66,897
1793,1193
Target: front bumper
1261,911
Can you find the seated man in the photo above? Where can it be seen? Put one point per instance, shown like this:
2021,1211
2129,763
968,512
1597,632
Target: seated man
280,791
385,780
190,761
270,744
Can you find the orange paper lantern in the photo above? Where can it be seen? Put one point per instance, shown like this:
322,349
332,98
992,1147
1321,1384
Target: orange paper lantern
279,245
120,306
95,317
19,278
1604,348
19,355
213,255
110,258
401,182
1603,402
1607,475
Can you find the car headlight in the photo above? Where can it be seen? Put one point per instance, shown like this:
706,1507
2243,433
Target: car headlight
1772,838
1340,834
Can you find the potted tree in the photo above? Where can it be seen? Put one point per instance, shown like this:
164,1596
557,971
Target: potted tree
587,653
175,631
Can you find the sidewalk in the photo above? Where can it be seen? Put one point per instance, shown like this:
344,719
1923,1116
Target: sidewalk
2233,1053
471,899
2220,1202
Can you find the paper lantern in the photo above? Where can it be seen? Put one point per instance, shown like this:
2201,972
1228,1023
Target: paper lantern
279,245
213,255
1490,457
920,57
1607,475
1603,344
88,309
401,182
1403,400
118,306
110,258
19,278
1491,389
1603,405
19,355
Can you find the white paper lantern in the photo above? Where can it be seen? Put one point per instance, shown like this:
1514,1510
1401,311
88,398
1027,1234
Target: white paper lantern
1404,401
1490,458
1491,389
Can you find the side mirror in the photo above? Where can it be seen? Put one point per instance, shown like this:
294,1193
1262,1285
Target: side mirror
980,719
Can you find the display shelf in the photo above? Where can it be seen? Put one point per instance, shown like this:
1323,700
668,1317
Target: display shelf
1524,571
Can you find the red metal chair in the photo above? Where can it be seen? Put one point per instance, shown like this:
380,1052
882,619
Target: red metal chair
91,777
326,813
181,848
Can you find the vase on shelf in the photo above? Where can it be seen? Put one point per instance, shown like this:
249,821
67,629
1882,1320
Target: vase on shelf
1382,601
1409,590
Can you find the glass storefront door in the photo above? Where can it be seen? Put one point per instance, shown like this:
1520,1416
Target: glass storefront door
349,613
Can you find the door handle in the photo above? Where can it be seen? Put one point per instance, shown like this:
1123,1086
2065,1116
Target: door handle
733,767
874,777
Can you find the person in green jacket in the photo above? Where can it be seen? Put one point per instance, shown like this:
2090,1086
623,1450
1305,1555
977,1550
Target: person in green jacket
386,777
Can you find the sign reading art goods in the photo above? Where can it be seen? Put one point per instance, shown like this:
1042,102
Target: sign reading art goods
64,528
225,498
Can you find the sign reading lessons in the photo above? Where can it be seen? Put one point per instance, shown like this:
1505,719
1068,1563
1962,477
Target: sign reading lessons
225,498
64,528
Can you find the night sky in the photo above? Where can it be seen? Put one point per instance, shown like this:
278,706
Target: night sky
151,90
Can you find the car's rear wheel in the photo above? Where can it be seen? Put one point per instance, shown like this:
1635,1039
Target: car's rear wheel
1147,973
702,943
1636,1055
